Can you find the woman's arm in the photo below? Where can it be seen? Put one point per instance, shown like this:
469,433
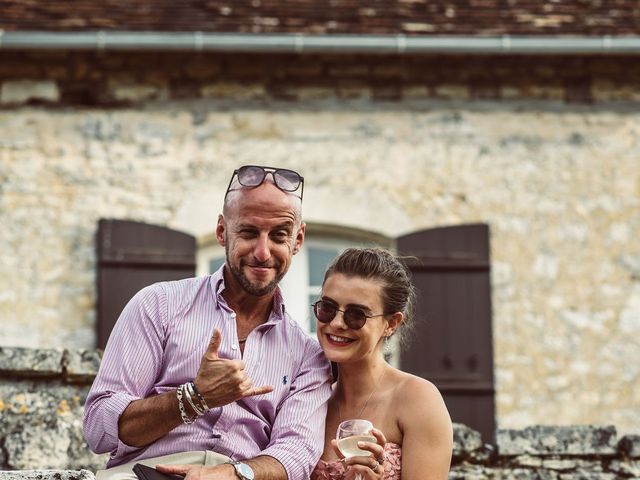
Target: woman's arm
427,441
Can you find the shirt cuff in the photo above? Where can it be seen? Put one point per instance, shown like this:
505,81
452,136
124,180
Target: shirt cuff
114,406
294,459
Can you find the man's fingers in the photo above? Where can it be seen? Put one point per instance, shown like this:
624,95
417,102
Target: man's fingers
175,469
214,344
258,391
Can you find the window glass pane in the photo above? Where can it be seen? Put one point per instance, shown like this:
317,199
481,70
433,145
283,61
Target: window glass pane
319,260
312,317
215,264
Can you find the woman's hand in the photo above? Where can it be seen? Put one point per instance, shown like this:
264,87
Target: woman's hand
365,467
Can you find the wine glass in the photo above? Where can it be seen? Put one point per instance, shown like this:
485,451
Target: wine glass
350,432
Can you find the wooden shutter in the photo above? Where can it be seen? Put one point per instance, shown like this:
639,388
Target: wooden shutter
452,341
132,255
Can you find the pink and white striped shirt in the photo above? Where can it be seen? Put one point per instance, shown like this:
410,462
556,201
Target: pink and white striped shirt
157,344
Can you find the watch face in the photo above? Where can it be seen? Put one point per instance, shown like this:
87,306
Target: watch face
245,470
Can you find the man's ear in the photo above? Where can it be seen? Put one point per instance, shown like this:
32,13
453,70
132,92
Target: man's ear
220,229
299,240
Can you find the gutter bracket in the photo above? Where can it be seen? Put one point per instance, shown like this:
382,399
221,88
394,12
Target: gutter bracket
101,40
198,41
505,41
298,40
401,42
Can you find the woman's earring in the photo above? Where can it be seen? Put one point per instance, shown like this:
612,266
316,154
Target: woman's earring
387,345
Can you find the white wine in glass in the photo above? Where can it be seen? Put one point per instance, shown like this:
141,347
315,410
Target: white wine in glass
350,432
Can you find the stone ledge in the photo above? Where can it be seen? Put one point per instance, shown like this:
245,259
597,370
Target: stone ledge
72,366
81,366
47,475
17,362
579,440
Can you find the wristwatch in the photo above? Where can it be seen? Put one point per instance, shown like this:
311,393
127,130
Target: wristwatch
243,471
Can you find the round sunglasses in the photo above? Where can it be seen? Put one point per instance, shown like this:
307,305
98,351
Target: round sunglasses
252,176
354,317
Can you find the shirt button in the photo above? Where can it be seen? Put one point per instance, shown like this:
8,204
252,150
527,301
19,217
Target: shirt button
234,347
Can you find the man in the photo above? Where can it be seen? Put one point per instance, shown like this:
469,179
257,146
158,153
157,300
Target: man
211,370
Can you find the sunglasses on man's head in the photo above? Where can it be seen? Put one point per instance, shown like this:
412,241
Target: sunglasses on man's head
354,317
252,176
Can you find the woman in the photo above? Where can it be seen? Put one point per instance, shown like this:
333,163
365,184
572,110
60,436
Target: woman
366,297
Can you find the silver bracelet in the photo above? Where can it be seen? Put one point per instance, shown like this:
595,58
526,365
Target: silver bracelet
186,419
195,390
188,392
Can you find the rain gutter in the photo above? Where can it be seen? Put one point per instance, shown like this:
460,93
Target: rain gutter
304,43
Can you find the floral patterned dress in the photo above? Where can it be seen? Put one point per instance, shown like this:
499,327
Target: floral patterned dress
335,470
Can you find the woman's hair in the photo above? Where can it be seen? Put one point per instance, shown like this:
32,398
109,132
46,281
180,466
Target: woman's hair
398,293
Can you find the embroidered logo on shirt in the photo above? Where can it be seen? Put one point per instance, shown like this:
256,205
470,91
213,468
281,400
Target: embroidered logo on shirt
284,380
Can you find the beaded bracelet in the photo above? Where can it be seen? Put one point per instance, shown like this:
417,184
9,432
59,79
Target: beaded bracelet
200,397
189,394
186,419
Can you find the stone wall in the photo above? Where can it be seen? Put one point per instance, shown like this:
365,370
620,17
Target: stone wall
543,149
559,190
42,393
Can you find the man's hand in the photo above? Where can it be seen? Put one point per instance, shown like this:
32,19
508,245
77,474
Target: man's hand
221,381
201,472
265,467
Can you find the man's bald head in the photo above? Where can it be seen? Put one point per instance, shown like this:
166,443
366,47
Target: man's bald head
266,192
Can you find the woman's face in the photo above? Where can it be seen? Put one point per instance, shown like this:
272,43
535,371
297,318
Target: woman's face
340,343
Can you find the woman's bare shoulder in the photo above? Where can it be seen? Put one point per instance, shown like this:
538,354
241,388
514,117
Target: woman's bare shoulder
412,388
420,402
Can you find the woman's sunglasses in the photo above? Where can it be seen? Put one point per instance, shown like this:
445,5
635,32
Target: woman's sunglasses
354,317
252,176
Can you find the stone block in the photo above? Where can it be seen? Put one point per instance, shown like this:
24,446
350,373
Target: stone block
47,475
587,475
630,446
527,461
416,92
47,438
465,440
559,464
626,468
81,366
471,472
23,91
313,93
415,27
558,440
452,92
18,362
525,474
135,93
233,91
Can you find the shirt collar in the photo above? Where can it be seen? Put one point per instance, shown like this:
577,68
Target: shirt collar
217,283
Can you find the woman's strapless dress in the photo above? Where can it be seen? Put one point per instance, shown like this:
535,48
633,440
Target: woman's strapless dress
334,470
